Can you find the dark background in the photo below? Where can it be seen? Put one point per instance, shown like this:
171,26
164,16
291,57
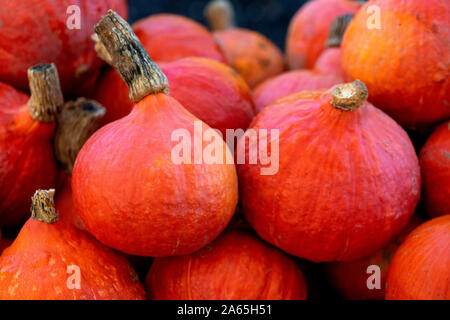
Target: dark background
270,17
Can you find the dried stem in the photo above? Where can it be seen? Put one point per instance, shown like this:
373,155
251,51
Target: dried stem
349,96
76,123
43,206
46,96
129,58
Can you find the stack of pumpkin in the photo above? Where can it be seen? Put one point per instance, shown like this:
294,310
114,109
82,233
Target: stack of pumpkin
107,199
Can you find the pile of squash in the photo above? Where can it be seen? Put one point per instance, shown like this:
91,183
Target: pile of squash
102,196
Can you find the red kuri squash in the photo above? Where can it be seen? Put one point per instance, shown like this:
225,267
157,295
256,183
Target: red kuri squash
250,53
309,28
348,178
435,165
236,266
292,82
420,268
210,90
170,37
408,74
52,260
26,132
129,190
34,32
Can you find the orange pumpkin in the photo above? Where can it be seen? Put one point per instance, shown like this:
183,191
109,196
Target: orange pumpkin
420,268
40,261
128,189
435,164
170,37
236,266
26,132
405,60
309,28
345,183
250,53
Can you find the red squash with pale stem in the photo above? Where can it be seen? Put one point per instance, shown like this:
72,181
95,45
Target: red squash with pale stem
407,77
350,277
26,132
208,89
41,31
292,82
170,37
330,59
250,53
435,164
47,253
309,28
348,176
420,268
236,266
128,186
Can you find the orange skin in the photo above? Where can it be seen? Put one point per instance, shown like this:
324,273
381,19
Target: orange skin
39,34
348,181
35,266
309,28
134,198
237,266
435,164
26,156
292,82
330,62
251,54
420,269
405,65
169,37
208,89
64,206
350,278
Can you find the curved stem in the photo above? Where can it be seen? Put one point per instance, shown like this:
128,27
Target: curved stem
46,96
349,96
76,123
43,206
129,58
220,15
